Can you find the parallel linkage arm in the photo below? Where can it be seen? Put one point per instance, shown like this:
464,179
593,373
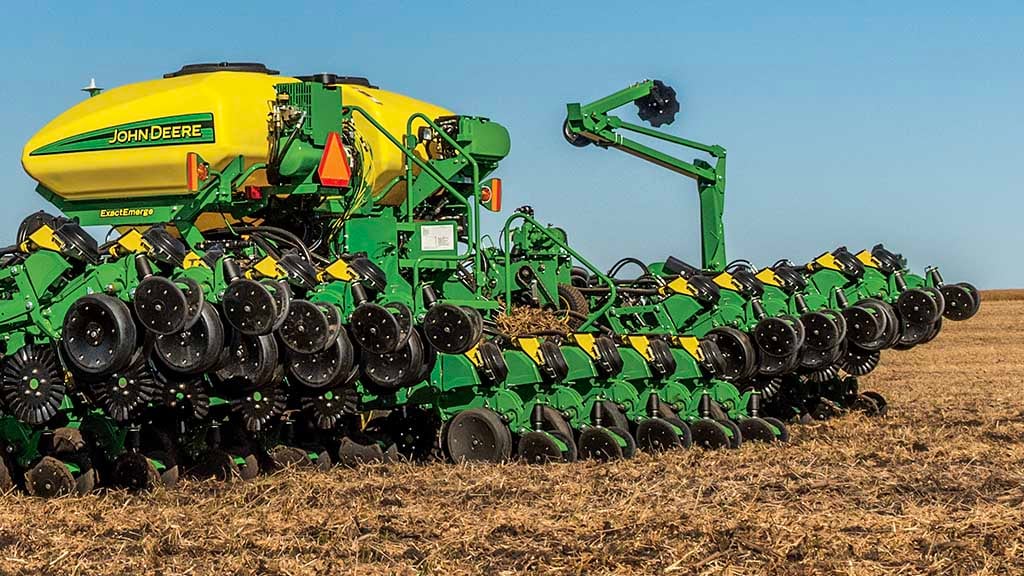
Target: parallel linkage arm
593,124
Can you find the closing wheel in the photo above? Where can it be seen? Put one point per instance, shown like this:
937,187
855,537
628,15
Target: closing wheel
161,306
936,328
33,385
248,362
782,431
736,439
49,478
134,472
756,430
375,329
394,370
912,334
539,448
778,365
657,435
881,405
451,329
169,475
215,463
250,307
282,300
195,349
6,482
737,350
322,369
605,444
478,434
961,301
98,334
282,457
308,328
611,415
360,450
709,434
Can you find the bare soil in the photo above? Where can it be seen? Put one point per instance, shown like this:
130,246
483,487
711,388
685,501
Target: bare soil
935,488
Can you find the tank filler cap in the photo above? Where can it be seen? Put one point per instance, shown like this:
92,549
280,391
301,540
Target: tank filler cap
327,78
206,67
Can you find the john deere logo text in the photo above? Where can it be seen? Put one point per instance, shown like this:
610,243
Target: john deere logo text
154,133
126,213
166,131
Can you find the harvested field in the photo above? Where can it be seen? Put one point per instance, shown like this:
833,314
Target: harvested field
935,488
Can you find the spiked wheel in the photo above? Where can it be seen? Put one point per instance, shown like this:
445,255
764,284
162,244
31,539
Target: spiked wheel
49,478
451,329
250,307
98,334
824,374
195,349
858,362
161,306
258,407
321,369
124,393
394,370
33,384
135,473
658,107
756,430
375,329
657,435
188,395
309,327
538,448
478,434
738,352
328,407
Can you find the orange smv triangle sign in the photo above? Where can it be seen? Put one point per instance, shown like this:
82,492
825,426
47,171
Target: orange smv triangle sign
333,170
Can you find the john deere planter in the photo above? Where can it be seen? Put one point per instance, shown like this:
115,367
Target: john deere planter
295,275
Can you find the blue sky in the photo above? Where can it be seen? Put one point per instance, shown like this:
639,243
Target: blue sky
846,123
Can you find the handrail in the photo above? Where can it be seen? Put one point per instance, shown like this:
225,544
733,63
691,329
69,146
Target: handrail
425,166
475,221
506,235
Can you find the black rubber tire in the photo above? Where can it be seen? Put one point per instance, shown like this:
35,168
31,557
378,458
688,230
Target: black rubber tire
737,435
121,327
570,298
708,434
783,435
656,435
